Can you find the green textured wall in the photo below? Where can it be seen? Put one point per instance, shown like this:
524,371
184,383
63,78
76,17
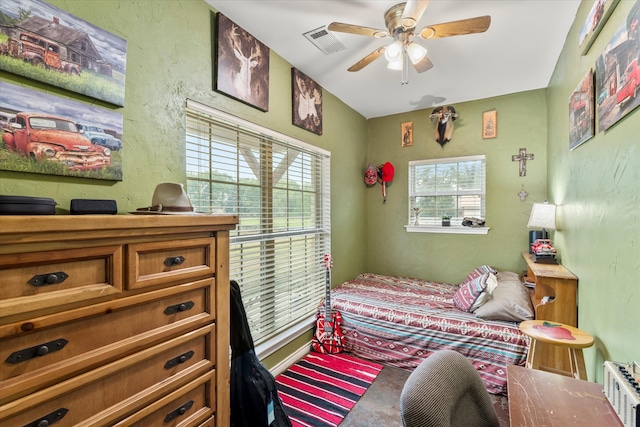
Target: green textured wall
522,123
596,188
169,59
596,185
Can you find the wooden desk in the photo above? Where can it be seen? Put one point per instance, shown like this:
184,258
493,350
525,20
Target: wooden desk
543,399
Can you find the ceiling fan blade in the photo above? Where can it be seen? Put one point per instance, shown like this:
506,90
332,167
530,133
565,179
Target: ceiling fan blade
367,59
413,11
456,28
423,65
357,29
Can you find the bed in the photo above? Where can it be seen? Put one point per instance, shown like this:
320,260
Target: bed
399,321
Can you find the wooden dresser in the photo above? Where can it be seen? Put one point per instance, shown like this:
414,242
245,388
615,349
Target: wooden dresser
560,286
114,320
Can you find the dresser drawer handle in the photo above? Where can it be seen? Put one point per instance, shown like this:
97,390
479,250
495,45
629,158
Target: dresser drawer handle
183,306
48,278
178,360
36,351
180,411
49,419
174,260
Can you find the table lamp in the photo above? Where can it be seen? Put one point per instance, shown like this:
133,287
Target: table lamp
543,216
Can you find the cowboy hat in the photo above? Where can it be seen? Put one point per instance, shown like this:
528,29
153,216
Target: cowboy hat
169,198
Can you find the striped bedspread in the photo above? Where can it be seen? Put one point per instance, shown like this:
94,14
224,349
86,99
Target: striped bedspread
400,321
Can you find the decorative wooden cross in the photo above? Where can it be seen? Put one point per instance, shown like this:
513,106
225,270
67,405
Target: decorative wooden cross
522,157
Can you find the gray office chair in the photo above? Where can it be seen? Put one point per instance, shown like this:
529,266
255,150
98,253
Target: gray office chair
445,390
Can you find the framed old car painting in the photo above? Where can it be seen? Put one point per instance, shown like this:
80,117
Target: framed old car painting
48,134
241,64
581,114
618,72
45,43
596,19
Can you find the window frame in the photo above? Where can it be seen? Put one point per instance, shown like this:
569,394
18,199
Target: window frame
253,282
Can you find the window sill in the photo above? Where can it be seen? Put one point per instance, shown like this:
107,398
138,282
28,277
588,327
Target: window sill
446,230
270,346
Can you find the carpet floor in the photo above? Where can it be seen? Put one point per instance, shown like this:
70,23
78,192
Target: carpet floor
380,405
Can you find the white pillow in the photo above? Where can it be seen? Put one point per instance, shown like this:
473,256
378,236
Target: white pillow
492,283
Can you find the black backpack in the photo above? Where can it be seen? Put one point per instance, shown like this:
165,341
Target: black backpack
254,397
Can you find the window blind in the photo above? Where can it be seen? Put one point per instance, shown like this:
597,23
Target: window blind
280,189
452,187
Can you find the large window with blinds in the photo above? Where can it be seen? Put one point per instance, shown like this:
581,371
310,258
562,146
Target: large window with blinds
279,188
451,187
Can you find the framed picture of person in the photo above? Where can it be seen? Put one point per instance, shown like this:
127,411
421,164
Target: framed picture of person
306,102
241,65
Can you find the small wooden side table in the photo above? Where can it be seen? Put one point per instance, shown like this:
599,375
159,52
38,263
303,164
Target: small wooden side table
559,334
560,287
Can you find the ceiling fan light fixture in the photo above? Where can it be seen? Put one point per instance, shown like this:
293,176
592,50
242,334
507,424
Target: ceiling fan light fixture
395,65
416,52
393,52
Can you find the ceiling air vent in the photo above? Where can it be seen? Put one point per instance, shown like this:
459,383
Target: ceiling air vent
324,40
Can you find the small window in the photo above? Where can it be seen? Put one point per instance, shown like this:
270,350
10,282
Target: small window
451,188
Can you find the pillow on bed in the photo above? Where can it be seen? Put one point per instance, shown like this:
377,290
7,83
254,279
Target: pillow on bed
477,272
466,296
492,283
509,300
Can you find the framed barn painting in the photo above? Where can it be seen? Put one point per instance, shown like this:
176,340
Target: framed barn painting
44,43
581,114
47,134
618,72
306,102
241,65
596,19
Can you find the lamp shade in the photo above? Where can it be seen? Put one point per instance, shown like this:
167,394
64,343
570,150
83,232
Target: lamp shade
543,215
416,52
393,52
395,64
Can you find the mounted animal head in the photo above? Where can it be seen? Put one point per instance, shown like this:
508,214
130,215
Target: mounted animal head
444,118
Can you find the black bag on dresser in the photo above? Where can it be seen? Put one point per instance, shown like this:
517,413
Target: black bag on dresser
23,205
254,397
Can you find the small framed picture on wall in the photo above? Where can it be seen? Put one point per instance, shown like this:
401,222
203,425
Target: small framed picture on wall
489,124
306,102
407,134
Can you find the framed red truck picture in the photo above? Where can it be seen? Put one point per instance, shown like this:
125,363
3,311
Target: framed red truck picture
46,134
45,43
618,72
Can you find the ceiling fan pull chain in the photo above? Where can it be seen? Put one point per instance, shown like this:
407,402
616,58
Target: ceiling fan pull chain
404,78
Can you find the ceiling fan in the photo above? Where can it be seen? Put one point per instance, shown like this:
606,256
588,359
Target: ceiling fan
401,21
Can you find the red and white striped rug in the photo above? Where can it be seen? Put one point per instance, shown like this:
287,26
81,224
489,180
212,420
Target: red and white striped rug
320,389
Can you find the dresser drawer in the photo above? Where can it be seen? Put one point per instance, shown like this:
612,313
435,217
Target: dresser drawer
117,390
186,407
157,263
40,280
48,355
